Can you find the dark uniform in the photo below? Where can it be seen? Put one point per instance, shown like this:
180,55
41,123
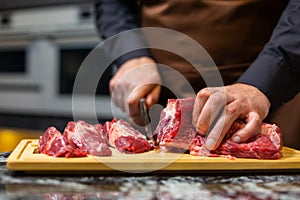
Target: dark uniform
262,36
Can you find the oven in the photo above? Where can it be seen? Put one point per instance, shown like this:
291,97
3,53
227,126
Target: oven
41,50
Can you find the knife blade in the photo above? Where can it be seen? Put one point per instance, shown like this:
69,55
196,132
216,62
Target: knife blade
145,118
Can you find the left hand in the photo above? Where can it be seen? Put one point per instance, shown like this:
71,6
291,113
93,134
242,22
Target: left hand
238,101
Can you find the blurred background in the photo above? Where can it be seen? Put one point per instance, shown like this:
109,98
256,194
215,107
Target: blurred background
42,45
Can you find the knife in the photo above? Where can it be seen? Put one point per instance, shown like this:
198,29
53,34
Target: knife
145,118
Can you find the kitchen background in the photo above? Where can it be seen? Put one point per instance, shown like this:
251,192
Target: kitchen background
42,45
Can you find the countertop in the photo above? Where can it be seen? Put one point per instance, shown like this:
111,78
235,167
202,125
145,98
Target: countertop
159,186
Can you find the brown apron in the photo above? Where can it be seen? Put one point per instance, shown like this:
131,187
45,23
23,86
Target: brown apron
232,32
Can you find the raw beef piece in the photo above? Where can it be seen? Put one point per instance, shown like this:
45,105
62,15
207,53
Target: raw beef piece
125,138
266,145
87,137
54,144
175,131
78,140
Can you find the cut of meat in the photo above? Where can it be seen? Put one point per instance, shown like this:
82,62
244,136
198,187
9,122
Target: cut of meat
266,145
175,131
117,128
54,144
131,144
125,138
46,140
78,140
87,137
81,138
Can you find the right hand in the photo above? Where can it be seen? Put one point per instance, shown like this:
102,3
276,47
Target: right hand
135,79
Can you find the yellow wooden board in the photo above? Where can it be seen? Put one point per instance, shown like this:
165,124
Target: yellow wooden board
25,158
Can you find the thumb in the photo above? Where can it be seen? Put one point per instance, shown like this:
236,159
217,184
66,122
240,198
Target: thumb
252,128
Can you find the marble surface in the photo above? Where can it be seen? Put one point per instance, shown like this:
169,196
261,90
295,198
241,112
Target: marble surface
161,187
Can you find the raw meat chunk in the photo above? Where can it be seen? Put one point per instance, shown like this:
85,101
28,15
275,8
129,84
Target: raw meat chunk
54,144
131,144
125,138
87,137
78,140
266,145
175,131
47,139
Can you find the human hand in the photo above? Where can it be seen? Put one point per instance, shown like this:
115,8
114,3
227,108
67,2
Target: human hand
238,101
135,79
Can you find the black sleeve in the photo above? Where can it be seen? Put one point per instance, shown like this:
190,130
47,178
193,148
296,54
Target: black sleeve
276,71
116,16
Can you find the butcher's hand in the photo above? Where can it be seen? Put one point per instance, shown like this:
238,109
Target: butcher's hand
135,79
239,101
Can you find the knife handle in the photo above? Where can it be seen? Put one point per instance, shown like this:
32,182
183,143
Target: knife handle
145,117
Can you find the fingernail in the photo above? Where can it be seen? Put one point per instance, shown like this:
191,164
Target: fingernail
237,139
210,143
201,130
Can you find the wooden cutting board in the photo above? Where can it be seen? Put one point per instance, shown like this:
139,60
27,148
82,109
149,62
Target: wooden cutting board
25,158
